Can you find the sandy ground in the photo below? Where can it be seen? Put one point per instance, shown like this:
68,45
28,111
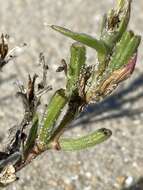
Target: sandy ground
106,166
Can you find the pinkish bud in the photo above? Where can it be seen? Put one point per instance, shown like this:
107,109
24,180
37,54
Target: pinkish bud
131,64
118,76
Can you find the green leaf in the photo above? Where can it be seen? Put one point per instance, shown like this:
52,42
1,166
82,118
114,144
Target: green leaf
125,49
69,144
77,62
32,135
83,38
55,107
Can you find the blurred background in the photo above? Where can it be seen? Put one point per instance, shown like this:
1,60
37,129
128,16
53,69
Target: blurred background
114,165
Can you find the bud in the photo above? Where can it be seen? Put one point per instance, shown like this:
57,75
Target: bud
118,76
110,83
115,23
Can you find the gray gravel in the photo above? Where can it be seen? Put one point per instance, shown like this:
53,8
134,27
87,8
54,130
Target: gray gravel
113,165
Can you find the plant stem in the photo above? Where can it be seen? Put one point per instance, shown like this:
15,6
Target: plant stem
70,115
